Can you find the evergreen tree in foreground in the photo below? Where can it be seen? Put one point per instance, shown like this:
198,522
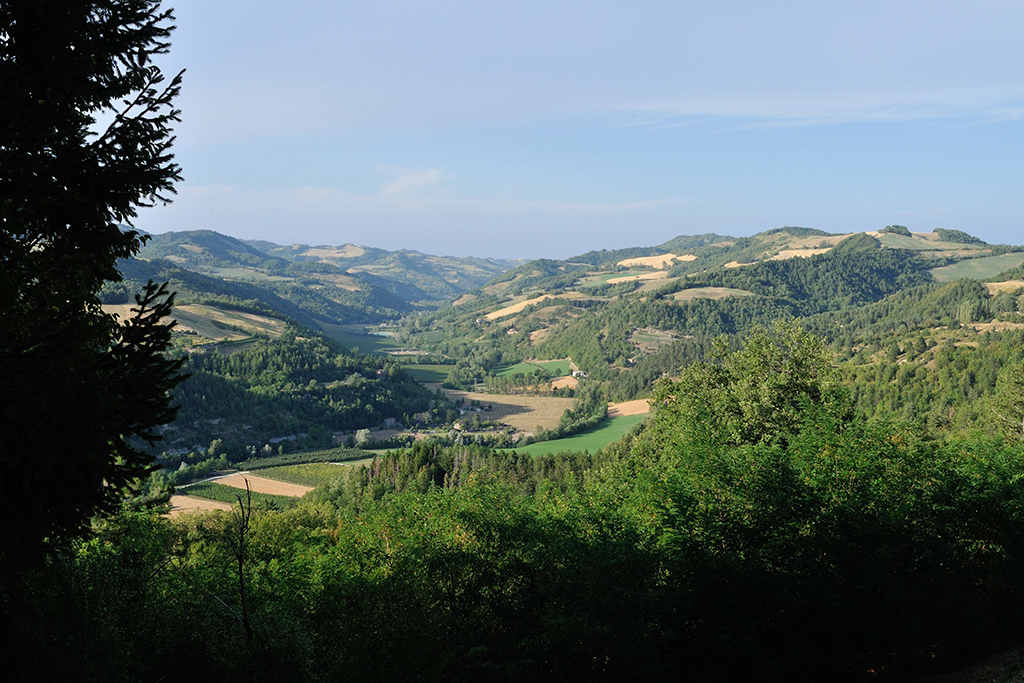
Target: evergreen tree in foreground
77,387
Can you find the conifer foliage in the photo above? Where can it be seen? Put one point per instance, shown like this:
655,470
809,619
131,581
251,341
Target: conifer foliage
85,142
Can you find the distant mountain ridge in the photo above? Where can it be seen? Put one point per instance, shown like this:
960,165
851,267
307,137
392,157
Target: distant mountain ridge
434,278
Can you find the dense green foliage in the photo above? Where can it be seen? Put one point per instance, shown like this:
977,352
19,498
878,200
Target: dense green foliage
855,272
296,385
774,535
957,236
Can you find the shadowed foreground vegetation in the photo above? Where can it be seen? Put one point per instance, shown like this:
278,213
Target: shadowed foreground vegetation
757,529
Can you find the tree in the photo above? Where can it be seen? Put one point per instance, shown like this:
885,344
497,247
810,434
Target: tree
756,393
1008,401
79,390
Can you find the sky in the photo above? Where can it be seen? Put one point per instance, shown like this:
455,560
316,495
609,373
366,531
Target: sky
544,129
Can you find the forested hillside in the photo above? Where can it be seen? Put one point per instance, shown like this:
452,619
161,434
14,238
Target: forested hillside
297,385
827,486
759,527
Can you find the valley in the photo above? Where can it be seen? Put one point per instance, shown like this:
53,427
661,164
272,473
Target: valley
549,355
789,404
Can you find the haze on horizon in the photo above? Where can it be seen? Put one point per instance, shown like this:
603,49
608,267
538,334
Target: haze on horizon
529,130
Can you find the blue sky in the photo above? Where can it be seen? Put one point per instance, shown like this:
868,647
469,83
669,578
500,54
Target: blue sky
533,129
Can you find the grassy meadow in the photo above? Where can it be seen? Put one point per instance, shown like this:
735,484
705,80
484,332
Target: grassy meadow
608,432
555,368
351,339
309,474
979,268
428,373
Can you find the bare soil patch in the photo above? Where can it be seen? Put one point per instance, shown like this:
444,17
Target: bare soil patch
816,241
537,336
183,504
464,299
518,307
563,382
997,326
344,251
524,413
786,254
659,261
262,485
638,407
996,287
654,275
709,293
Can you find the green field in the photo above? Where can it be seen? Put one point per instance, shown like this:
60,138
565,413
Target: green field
229,494
310,474
610,431
919,244
428,373
605,277
432,336
978,268
339,454
555,368
364,342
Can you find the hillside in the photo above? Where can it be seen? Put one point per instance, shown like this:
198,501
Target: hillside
628,315
831,460
339,291
434,277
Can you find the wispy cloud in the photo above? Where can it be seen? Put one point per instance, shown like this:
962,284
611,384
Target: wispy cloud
335,199
409,180
392,200
770,110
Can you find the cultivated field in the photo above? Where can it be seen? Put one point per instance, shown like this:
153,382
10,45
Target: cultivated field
637,407
520,305
428,373
524,413
979,268
351,338
660,261
229,494
564,382
926,241
344,251
653,275
181,504
605,278
1007,286
649,340
555,368
608,432
997,326
786,254
709,293
311,474
261,484
214,323
655,285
